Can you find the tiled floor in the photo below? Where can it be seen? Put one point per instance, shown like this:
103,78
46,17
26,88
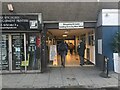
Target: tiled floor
71,60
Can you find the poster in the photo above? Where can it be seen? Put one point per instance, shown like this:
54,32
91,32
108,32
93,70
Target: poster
53,52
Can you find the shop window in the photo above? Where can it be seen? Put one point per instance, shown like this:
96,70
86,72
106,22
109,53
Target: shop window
91,39
4,64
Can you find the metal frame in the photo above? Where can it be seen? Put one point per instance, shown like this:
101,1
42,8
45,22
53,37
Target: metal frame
10,51
25,50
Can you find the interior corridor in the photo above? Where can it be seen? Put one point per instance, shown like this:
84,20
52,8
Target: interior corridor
71,61
72,38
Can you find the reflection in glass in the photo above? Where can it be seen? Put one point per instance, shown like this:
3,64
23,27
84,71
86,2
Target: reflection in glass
4,54
17,51
32,53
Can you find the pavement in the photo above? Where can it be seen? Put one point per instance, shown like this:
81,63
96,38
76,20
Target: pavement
83,77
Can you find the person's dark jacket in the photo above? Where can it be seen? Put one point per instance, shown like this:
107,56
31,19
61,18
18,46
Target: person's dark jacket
81,49
62,48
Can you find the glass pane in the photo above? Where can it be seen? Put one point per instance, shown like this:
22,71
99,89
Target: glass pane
4,63
32,53
17,51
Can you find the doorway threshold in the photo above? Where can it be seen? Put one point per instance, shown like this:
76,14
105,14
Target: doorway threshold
69,66
21,72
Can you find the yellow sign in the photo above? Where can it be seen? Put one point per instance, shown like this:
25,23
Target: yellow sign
55,62
25,63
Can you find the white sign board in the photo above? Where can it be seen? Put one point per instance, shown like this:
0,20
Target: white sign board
53,52
71,25
116,62
100,46
33,24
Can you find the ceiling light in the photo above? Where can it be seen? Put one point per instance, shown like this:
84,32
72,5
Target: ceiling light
10,7
98,0
66,32
64,35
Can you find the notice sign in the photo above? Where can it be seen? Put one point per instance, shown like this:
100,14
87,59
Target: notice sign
71,25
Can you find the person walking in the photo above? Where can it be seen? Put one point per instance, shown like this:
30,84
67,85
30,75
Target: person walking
63,49
81,50
71,48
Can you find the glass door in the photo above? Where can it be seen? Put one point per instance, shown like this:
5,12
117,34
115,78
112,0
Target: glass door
33,53
17,52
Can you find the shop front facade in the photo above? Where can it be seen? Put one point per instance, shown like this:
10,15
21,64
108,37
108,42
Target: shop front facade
24,47
21,43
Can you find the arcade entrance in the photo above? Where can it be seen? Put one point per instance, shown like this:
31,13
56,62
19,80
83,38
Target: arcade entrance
72,38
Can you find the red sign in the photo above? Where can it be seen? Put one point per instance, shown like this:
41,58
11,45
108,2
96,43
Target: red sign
38,41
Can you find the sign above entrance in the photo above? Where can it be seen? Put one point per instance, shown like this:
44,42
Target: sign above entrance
71,25
20,22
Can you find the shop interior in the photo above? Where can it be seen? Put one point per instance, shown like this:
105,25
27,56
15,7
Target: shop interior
72,38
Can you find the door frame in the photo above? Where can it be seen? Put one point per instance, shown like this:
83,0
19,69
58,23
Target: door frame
11,51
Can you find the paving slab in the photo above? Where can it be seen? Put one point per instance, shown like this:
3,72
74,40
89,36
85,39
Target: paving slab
86,76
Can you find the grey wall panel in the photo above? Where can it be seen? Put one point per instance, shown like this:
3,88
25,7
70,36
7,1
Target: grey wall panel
56,25
90,24
61,11
99,58
51,25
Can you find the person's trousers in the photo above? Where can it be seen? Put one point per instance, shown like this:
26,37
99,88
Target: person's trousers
63,59
71,51
81,60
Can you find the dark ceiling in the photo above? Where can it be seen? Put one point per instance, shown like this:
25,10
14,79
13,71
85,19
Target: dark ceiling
62,11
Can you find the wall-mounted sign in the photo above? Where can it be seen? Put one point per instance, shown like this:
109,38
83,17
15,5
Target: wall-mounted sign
19,22
100,46
71,25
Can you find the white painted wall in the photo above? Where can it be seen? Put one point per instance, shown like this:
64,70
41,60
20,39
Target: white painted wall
108,17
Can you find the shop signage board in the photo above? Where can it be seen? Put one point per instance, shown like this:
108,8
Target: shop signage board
20,22
71,25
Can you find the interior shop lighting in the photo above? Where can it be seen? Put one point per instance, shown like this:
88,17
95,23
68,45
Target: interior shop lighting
64,35
98,0
10,7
